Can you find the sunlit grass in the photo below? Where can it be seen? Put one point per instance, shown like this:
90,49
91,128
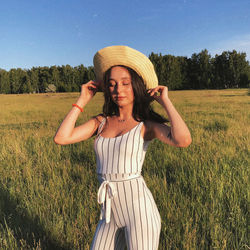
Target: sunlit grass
48,192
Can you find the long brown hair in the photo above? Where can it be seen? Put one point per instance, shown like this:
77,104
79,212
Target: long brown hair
142,109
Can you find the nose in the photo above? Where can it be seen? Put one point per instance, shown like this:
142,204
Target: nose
118,88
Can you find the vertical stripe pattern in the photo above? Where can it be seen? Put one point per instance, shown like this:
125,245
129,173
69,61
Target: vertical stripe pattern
135,221
121,154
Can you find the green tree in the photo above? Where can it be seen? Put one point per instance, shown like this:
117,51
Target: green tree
200,70
157,61
172,73
25,86
44,78
170,70
34,79
183,62
16,80
66,77
55,76
90,74
238,67
4,82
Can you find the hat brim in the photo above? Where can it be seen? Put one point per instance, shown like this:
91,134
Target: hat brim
111,56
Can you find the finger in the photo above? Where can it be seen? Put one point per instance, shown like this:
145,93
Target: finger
160,90
153,92
153,89
86,84
92,90
89,82
91,86
158,93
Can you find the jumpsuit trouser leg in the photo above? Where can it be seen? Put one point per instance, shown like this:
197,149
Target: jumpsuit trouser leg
108,236
134,222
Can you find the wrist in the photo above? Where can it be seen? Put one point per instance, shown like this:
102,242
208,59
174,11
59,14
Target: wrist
77,106
80,103
164,101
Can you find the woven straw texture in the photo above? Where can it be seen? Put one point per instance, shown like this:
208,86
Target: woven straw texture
124,55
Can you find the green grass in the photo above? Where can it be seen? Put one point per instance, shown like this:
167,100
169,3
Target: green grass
48,192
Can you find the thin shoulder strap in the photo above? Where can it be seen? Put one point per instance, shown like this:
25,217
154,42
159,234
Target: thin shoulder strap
140,127
100,128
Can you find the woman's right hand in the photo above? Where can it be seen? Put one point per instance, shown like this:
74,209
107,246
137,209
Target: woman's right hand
88,90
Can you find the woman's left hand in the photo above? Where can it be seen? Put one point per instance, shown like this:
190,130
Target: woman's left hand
159,93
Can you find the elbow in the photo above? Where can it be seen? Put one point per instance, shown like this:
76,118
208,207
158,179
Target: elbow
185,142
59,141
56,141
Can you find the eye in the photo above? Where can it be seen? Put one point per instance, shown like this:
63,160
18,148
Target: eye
126,83
111,84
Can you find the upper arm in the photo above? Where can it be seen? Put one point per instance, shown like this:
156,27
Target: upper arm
159,131
82,132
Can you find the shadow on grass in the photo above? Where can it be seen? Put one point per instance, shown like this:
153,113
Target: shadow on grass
26,230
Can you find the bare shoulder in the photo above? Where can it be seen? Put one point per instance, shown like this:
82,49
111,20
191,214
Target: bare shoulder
99,118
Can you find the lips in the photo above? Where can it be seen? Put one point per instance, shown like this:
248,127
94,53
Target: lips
120,97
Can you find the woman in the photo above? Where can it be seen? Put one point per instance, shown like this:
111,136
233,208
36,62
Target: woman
129,216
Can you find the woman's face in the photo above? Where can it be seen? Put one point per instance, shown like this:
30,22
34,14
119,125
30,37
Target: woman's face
120,86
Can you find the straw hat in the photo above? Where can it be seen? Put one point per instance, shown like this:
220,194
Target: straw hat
124,55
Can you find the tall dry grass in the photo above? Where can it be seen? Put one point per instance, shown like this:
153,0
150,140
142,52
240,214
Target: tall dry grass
48,192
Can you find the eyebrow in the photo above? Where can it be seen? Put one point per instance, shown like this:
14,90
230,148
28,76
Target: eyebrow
123,78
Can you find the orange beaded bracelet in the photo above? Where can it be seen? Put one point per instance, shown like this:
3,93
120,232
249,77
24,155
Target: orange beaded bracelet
75,105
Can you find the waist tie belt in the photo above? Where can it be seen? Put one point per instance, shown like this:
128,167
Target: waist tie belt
106,192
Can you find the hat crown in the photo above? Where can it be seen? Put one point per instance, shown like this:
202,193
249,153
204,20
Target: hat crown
111,56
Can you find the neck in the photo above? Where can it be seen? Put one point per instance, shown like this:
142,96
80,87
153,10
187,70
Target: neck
125,113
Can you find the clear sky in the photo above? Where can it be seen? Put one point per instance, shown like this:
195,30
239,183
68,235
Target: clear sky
59,32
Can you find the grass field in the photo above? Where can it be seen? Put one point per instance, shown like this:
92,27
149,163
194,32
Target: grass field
48,192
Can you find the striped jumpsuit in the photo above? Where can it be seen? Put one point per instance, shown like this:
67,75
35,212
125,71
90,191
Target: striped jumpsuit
129,216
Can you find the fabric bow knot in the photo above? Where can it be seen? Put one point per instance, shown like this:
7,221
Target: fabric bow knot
106,192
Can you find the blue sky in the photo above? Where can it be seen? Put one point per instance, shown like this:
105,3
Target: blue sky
59,32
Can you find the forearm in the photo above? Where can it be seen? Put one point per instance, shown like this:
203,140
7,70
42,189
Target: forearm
179,130
67,126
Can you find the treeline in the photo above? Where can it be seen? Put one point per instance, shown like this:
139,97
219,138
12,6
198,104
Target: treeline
201,71
37,79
